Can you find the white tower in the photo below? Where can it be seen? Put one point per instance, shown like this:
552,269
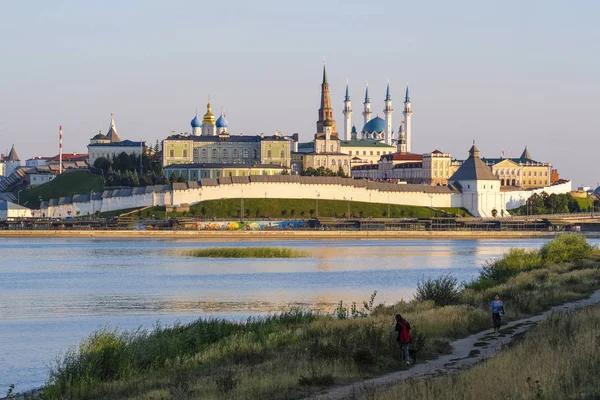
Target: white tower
347,116
401,144
407,121
367,111
388,116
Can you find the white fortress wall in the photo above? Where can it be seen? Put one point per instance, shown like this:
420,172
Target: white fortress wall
519,198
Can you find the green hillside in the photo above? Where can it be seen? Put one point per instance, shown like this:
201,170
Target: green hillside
300,208
64,185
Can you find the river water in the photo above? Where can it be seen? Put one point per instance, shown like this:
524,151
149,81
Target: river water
54,292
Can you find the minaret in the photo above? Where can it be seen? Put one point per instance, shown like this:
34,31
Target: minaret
347,116
388,116
407,121
367,106
208,122
325,112
401,145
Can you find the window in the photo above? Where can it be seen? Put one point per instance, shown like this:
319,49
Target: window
254,153
204,153
378,152
468,186
333,163
534,173
245,153
331,148
184,153
323,148
350,152
236,153
214,153
364,153
171,153
268,153
195,153
281,154
225,153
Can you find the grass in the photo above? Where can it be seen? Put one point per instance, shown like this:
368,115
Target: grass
292,355
248,252
558,359
64,185
300,208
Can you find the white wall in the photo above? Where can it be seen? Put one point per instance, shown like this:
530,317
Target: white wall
519,198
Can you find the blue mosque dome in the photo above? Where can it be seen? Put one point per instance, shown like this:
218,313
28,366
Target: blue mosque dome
196,122
377,124
222,122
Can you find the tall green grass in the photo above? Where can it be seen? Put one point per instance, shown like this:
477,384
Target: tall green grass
558,359
248,252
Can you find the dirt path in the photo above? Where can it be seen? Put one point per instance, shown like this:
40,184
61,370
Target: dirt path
467,352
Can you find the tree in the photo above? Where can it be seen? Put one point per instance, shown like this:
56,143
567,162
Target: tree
340,172
103,163
203,211
284,213
311,212
494,213
292,212
181,179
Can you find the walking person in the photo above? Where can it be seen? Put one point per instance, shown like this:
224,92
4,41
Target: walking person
403,329
497,309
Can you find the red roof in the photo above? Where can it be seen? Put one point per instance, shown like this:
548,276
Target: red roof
403,157
71,157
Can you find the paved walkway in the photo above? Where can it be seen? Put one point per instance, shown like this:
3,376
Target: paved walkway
467,352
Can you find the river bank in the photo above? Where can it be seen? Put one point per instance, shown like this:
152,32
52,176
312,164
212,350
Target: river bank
219,359
173,234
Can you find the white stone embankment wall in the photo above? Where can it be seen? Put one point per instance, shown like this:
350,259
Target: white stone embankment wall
262,190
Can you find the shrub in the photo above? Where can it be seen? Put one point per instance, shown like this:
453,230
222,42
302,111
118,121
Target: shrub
512,263
248,252
568,247
363,358
443,290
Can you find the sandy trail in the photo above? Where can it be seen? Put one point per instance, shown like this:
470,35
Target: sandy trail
466,352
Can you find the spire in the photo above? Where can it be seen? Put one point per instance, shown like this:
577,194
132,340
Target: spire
347,98
525,155
325,111
407,96
324,73
12,156
367,94
112,130
209,118
387,93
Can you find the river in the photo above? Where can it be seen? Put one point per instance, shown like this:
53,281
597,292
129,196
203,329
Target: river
54,292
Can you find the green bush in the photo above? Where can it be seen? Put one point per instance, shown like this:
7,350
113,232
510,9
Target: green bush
511,264
248,252
568,247
443,290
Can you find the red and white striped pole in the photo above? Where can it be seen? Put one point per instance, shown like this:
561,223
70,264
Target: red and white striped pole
60,152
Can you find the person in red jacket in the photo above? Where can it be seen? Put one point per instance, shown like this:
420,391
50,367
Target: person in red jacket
403,329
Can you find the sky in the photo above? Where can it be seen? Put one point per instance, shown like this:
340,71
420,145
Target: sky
507,74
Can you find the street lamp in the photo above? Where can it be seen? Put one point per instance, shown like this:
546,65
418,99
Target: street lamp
318,195
19,197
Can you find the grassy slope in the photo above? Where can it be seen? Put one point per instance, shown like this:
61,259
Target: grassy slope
64,185
301,208
220,360
558,359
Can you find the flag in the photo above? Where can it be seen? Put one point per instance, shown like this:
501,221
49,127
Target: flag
502,153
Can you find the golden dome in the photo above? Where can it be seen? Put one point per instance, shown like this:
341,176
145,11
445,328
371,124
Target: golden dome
209,118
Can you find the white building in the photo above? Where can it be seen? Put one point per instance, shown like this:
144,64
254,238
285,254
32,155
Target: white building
8,164
111,145
12,210
479,187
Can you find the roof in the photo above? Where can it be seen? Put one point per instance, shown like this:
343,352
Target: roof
12,156
196,123
112,131
71,157
525,155
221,122
402,157
366,143
217,165
473,169
226,138
377,124
7,205
124,143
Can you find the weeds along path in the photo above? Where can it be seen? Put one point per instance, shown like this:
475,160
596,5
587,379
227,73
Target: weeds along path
466,352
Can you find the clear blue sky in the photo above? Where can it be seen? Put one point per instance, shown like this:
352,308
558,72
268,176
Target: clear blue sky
505,73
